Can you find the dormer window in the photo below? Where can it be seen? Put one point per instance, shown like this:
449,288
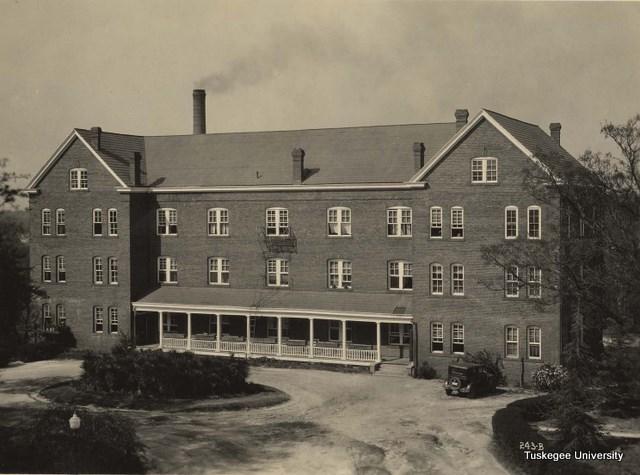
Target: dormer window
78,179
484,170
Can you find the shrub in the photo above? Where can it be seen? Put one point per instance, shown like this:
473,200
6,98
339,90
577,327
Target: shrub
5,356
549,377
63,336
492,361
41,350
426,371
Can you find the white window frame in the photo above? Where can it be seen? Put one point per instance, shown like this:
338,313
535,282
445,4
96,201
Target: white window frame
98,271
336,326
97,219
457,221
98,319
435,222
61,273
218,222
539,223
339,274
510,340
278,268
484,161
218,271
404,271
534,281
457,337
399,221
534,344
277,222
46,269
507,222
112,216
112,264
509,283
437,336
47,321
436,276
166,267
61,227
61,315
113,320
166,218
46,222
339,218
399,334
78,179
457,279
170,324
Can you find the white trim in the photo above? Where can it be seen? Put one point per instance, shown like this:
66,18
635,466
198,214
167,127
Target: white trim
431,210
507,341
271,188
457,294
431,292
461,209
397,226
340,211
104,164
539,344
539,208
507,209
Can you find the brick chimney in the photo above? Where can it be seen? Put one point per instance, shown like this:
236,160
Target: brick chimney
554,131
298,165
94,139
418,155
461,118
199,112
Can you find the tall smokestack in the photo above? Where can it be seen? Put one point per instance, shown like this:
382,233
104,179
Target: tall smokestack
199,112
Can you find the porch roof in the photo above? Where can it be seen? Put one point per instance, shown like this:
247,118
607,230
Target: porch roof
393,307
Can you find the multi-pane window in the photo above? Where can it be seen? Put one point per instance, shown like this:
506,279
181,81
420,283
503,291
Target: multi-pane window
484,170
511,343
61,273
167,221
457,222
437,337
457,279
400,275
61,315
272,327
167,270
78,179
335,330
534,230
218,222
534,282
170,324
437,279
511,222
46,222
61,228
339,274
113,270
435,218
277,222
113,222
278,273
457,338
512,284
46,269
97,222
399,221
47,321
98,319
98,270
113,320
399,334
339,221
534,343
218,271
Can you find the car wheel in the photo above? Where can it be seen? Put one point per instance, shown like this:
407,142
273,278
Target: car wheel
448,391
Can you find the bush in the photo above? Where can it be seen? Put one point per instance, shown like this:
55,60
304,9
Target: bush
155,374
426,371
491,361
5,357
42,350
550,377
63,336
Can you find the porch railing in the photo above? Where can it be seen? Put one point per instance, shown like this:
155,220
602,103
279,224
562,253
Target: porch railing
233,346
295,350
176,343
327,352
204,345
263,348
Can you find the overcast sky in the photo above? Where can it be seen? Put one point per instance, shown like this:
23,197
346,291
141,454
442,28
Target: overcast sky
130,66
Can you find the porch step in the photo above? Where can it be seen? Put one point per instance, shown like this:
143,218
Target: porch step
392,370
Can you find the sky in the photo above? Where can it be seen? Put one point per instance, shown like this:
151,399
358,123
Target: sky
274,65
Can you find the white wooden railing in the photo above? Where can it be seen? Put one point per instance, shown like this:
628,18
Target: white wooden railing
263,348
295,350
176,343
233,346
204,345
362,355
327,352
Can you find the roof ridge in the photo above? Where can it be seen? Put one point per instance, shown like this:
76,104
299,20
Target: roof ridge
513,118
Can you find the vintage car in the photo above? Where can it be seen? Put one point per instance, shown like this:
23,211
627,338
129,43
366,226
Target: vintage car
469,379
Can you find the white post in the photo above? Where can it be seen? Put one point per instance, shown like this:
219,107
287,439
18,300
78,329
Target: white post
160,317
279,336
311,338
218,332
379,357
344,339
188,331
248,334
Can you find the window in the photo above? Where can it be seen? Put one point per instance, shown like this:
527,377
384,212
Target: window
97,222
457,279
278,273
277,222
484,170
113,222
399,221
457,222
218,222
46,269
46,222
113,320
61,228
436,279
61,273
218,271
400,275
167,270
339,274
98,319
399,334
335,330
511,342
437,337
534,282
98,270
436,222
47,322
511,222
339,221
78,179
534,343
113,271
534,230
457,338
167,220
512,285
170,324
61,315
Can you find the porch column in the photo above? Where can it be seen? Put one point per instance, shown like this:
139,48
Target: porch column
311,338
379,356
160,318
218,331
248,333
134,336
279,336
188,331
344,339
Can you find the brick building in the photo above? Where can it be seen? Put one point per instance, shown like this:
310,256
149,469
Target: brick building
358,244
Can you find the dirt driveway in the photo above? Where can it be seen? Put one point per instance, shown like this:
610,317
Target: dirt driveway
334,424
